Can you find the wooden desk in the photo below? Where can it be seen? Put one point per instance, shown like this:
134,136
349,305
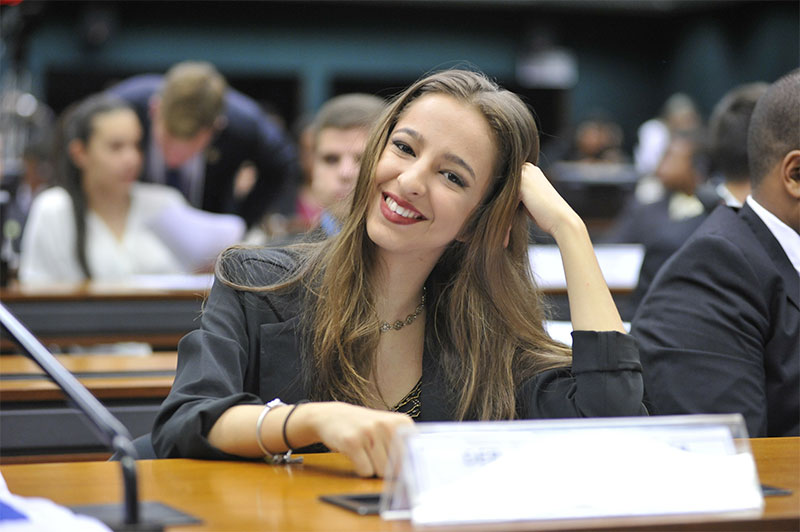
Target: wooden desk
36,422
157,313
252,496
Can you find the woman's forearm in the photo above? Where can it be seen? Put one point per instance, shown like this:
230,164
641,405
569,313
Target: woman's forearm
590,303
235,430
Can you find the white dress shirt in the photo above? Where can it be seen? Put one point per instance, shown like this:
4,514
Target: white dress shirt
787,237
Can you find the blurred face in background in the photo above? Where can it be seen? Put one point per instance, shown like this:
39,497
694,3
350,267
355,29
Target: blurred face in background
111,159
337,160
177,150
676,170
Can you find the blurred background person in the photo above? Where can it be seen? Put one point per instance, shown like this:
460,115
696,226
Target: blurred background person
200,134
101,223
92,226
341,129
728,142
338,138
679,114
662,226
598,139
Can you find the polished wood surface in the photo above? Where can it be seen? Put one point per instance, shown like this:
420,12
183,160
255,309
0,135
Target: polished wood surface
254,496
89,290
106,376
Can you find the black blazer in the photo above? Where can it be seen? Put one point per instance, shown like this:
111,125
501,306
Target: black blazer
719,330
249,135
247,351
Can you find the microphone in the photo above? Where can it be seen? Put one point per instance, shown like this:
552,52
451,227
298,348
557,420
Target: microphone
107,427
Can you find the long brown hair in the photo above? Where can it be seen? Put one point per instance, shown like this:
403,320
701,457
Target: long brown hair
485,314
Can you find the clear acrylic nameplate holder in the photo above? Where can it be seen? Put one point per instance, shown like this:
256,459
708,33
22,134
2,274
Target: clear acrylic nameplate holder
482,472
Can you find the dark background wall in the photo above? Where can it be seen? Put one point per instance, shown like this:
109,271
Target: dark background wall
629,55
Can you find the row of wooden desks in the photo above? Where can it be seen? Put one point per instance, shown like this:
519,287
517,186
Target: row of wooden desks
37,423
160,310
256,496
156,310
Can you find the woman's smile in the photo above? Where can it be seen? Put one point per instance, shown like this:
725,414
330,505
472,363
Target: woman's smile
398,211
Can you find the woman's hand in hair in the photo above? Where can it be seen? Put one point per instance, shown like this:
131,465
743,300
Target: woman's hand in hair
590,304
544,204
362,434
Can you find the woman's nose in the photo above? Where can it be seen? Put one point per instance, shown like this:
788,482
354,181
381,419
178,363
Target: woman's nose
412,180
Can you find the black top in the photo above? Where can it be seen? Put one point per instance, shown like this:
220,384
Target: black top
246,351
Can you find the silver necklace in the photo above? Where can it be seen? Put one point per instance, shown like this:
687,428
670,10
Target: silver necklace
399,324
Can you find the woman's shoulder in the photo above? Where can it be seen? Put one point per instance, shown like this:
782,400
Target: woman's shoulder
55,202
258,266
54,198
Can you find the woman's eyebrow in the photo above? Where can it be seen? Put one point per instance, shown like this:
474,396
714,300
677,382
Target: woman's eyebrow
461,162
407,130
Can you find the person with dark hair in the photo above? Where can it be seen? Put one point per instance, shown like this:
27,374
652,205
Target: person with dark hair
94,225
720,328
664,225
423,306
200,133
728,141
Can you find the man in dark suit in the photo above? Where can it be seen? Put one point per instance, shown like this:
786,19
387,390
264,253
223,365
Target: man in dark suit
200,135
719,331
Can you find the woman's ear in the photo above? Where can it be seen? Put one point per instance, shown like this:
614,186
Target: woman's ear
790,173
77,152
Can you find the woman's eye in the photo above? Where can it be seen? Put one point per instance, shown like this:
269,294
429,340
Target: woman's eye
453,178
403,147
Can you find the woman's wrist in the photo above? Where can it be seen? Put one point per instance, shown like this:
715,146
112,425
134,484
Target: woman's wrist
570,229
302,429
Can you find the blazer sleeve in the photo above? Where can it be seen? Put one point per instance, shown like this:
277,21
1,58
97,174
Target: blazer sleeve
702,329
218,367
605,380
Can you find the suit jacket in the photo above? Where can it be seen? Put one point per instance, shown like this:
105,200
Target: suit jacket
650,224
249,135
247,351
719,330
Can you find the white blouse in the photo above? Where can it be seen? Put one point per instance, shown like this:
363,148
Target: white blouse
48,252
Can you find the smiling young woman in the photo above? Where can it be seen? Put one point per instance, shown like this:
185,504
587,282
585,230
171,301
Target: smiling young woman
437,240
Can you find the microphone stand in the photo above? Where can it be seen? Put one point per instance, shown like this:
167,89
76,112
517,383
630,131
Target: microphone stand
107,427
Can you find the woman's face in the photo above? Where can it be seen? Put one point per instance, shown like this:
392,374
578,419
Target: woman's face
675,169
111,159
434,170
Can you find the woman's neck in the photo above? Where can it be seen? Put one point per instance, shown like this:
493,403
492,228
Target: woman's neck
399,285
111,206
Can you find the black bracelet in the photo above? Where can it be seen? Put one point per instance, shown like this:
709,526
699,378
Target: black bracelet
286,422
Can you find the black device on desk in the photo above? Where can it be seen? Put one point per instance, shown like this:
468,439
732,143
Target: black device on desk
360,503
108,428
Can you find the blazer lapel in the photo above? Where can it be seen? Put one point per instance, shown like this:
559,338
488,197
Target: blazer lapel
281,374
